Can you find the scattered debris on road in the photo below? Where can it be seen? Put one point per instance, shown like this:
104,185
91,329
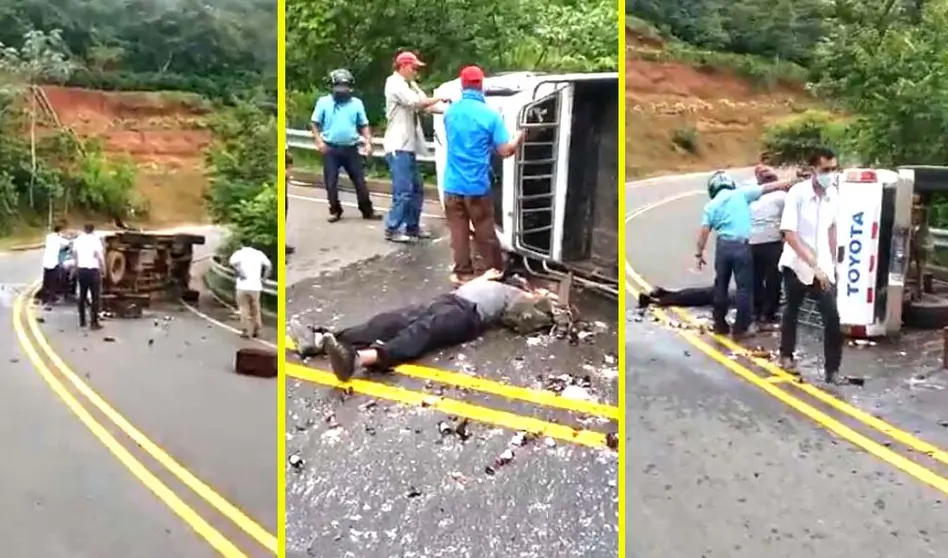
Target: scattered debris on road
256,361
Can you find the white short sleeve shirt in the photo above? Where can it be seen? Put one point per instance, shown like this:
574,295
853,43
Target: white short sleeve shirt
250,264
89,251
811,217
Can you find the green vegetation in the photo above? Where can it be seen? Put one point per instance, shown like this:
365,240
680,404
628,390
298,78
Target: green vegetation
243,171
882,64
549,35
215,49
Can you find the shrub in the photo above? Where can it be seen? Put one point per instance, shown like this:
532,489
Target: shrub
255,222
686,137
105,184
791,140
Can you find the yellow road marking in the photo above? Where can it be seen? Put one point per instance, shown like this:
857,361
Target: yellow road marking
232,512
451,407
537,396
870,446
136,467
777,379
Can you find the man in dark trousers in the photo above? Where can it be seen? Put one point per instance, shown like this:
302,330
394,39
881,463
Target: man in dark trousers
766,245
728,215
342,134
89,255
403,335
808,262
474,132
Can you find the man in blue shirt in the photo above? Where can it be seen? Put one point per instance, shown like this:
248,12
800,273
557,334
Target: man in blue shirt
728,214
474,132
342,134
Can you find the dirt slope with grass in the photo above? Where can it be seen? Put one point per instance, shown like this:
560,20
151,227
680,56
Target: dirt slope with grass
163,133
681,119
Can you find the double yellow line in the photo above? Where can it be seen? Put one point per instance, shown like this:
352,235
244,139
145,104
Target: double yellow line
513,421
779,376
45,361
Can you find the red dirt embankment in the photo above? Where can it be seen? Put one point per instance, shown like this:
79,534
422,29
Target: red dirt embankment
163,134
724,114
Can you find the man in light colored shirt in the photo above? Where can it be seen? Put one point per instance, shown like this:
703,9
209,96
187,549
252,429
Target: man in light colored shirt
474,133
808,261
728,214
52,270
766,246
251,266
403,335
342,134
89,255
404,140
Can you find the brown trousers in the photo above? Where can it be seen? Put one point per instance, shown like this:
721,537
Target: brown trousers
463,213
248,303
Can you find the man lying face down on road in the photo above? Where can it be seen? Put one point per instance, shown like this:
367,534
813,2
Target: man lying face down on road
403,335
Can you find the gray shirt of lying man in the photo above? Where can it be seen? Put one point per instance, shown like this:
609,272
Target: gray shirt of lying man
490,298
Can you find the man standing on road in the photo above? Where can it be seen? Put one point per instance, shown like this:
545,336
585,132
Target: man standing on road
766,246
52,270
89,255
728,214
474,132
404,140
342,134
251,266
808,262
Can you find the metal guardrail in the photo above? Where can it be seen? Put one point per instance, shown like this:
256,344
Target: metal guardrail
269,287
939,237
303,139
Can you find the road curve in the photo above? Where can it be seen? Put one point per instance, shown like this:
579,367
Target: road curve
714,465
170,381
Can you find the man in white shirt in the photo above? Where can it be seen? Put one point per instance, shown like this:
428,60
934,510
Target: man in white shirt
89,255
404,139
808,261
766,246
251,266
52,270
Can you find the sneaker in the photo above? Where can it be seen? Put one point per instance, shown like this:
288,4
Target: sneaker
334,217
400,238
314,346
341,358
373,216
644,300
788,365
830,376
422,234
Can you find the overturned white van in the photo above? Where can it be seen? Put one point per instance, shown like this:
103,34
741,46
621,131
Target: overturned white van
556,200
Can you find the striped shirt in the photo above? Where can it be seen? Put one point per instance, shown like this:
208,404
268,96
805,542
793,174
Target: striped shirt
765,217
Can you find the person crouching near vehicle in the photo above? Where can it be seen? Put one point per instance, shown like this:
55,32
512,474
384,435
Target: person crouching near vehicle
728,215
766,246
808,261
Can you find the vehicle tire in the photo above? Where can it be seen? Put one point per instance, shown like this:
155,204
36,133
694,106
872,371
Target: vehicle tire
116,266
931,312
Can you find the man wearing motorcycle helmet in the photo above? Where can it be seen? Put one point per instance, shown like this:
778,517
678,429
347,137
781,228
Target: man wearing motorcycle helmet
728,214
342,134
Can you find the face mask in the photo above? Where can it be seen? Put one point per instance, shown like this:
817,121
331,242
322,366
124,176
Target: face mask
341,96
825,179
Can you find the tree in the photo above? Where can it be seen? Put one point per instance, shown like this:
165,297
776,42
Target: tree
42,56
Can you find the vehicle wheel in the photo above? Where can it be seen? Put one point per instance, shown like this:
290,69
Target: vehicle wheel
116,266
931,312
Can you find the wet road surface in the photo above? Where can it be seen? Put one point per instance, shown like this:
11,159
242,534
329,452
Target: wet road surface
158,391
750,474
378,475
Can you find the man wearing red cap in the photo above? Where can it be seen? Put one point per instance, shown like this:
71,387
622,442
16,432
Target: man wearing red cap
404,139
474,132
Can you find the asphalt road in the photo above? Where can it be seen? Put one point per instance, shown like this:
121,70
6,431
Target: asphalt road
161,437
378,478
748,464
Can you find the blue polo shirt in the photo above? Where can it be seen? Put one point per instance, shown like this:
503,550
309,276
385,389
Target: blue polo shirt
729,214
339,123
473,132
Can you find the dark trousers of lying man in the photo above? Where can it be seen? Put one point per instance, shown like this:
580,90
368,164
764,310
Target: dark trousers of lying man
405,334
